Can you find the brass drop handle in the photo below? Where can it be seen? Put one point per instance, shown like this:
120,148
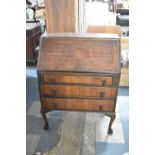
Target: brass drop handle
102,94
103,82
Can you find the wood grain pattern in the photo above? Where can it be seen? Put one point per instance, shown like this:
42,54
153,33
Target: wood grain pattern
79,54
77,104
105,29
60,15
72,79
77,91
79,72
33,33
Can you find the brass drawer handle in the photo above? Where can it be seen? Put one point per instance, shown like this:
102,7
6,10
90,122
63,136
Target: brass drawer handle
102,94
103,82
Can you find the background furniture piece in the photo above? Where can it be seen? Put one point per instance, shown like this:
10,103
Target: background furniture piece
60,15
35,13
64,15
33,33
29,6
79,72
122,11
104,29
122,18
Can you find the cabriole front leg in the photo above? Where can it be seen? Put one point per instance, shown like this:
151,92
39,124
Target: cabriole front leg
112,118
43,113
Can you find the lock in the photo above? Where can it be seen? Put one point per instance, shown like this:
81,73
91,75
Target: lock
103,82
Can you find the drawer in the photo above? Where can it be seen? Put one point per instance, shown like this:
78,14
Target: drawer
87,80
78,104
77,91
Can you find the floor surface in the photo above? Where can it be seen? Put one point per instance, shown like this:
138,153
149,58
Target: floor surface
78,133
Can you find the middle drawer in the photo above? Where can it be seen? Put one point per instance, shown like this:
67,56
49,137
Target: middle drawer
77,91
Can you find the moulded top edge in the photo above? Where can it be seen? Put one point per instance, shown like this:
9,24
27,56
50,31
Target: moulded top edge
79,72
81,35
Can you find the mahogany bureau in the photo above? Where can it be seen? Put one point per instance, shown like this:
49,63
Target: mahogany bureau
79,72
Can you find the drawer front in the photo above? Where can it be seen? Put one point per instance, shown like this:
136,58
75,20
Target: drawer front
92,80
78,104
78,91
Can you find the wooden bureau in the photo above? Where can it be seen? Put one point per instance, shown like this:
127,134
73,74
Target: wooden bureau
79,72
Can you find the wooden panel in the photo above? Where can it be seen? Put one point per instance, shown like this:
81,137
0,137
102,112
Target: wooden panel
32,28
105,29
80,53
33,33
29,48
77,104
60,15
70,68
78,91
91,80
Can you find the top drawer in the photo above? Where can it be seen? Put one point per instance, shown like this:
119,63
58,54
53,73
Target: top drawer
71,79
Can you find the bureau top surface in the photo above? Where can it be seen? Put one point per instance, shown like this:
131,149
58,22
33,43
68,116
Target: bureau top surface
31,26
79,52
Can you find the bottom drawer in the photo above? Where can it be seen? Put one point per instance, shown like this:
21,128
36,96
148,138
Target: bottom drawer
77,104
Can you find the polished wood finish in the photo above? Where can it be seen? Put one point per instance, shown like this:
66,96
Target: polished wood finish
73,79
80,53
43,113
105,29
33,33
77,91
78,104
113,116
60,15
79,72
124,79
